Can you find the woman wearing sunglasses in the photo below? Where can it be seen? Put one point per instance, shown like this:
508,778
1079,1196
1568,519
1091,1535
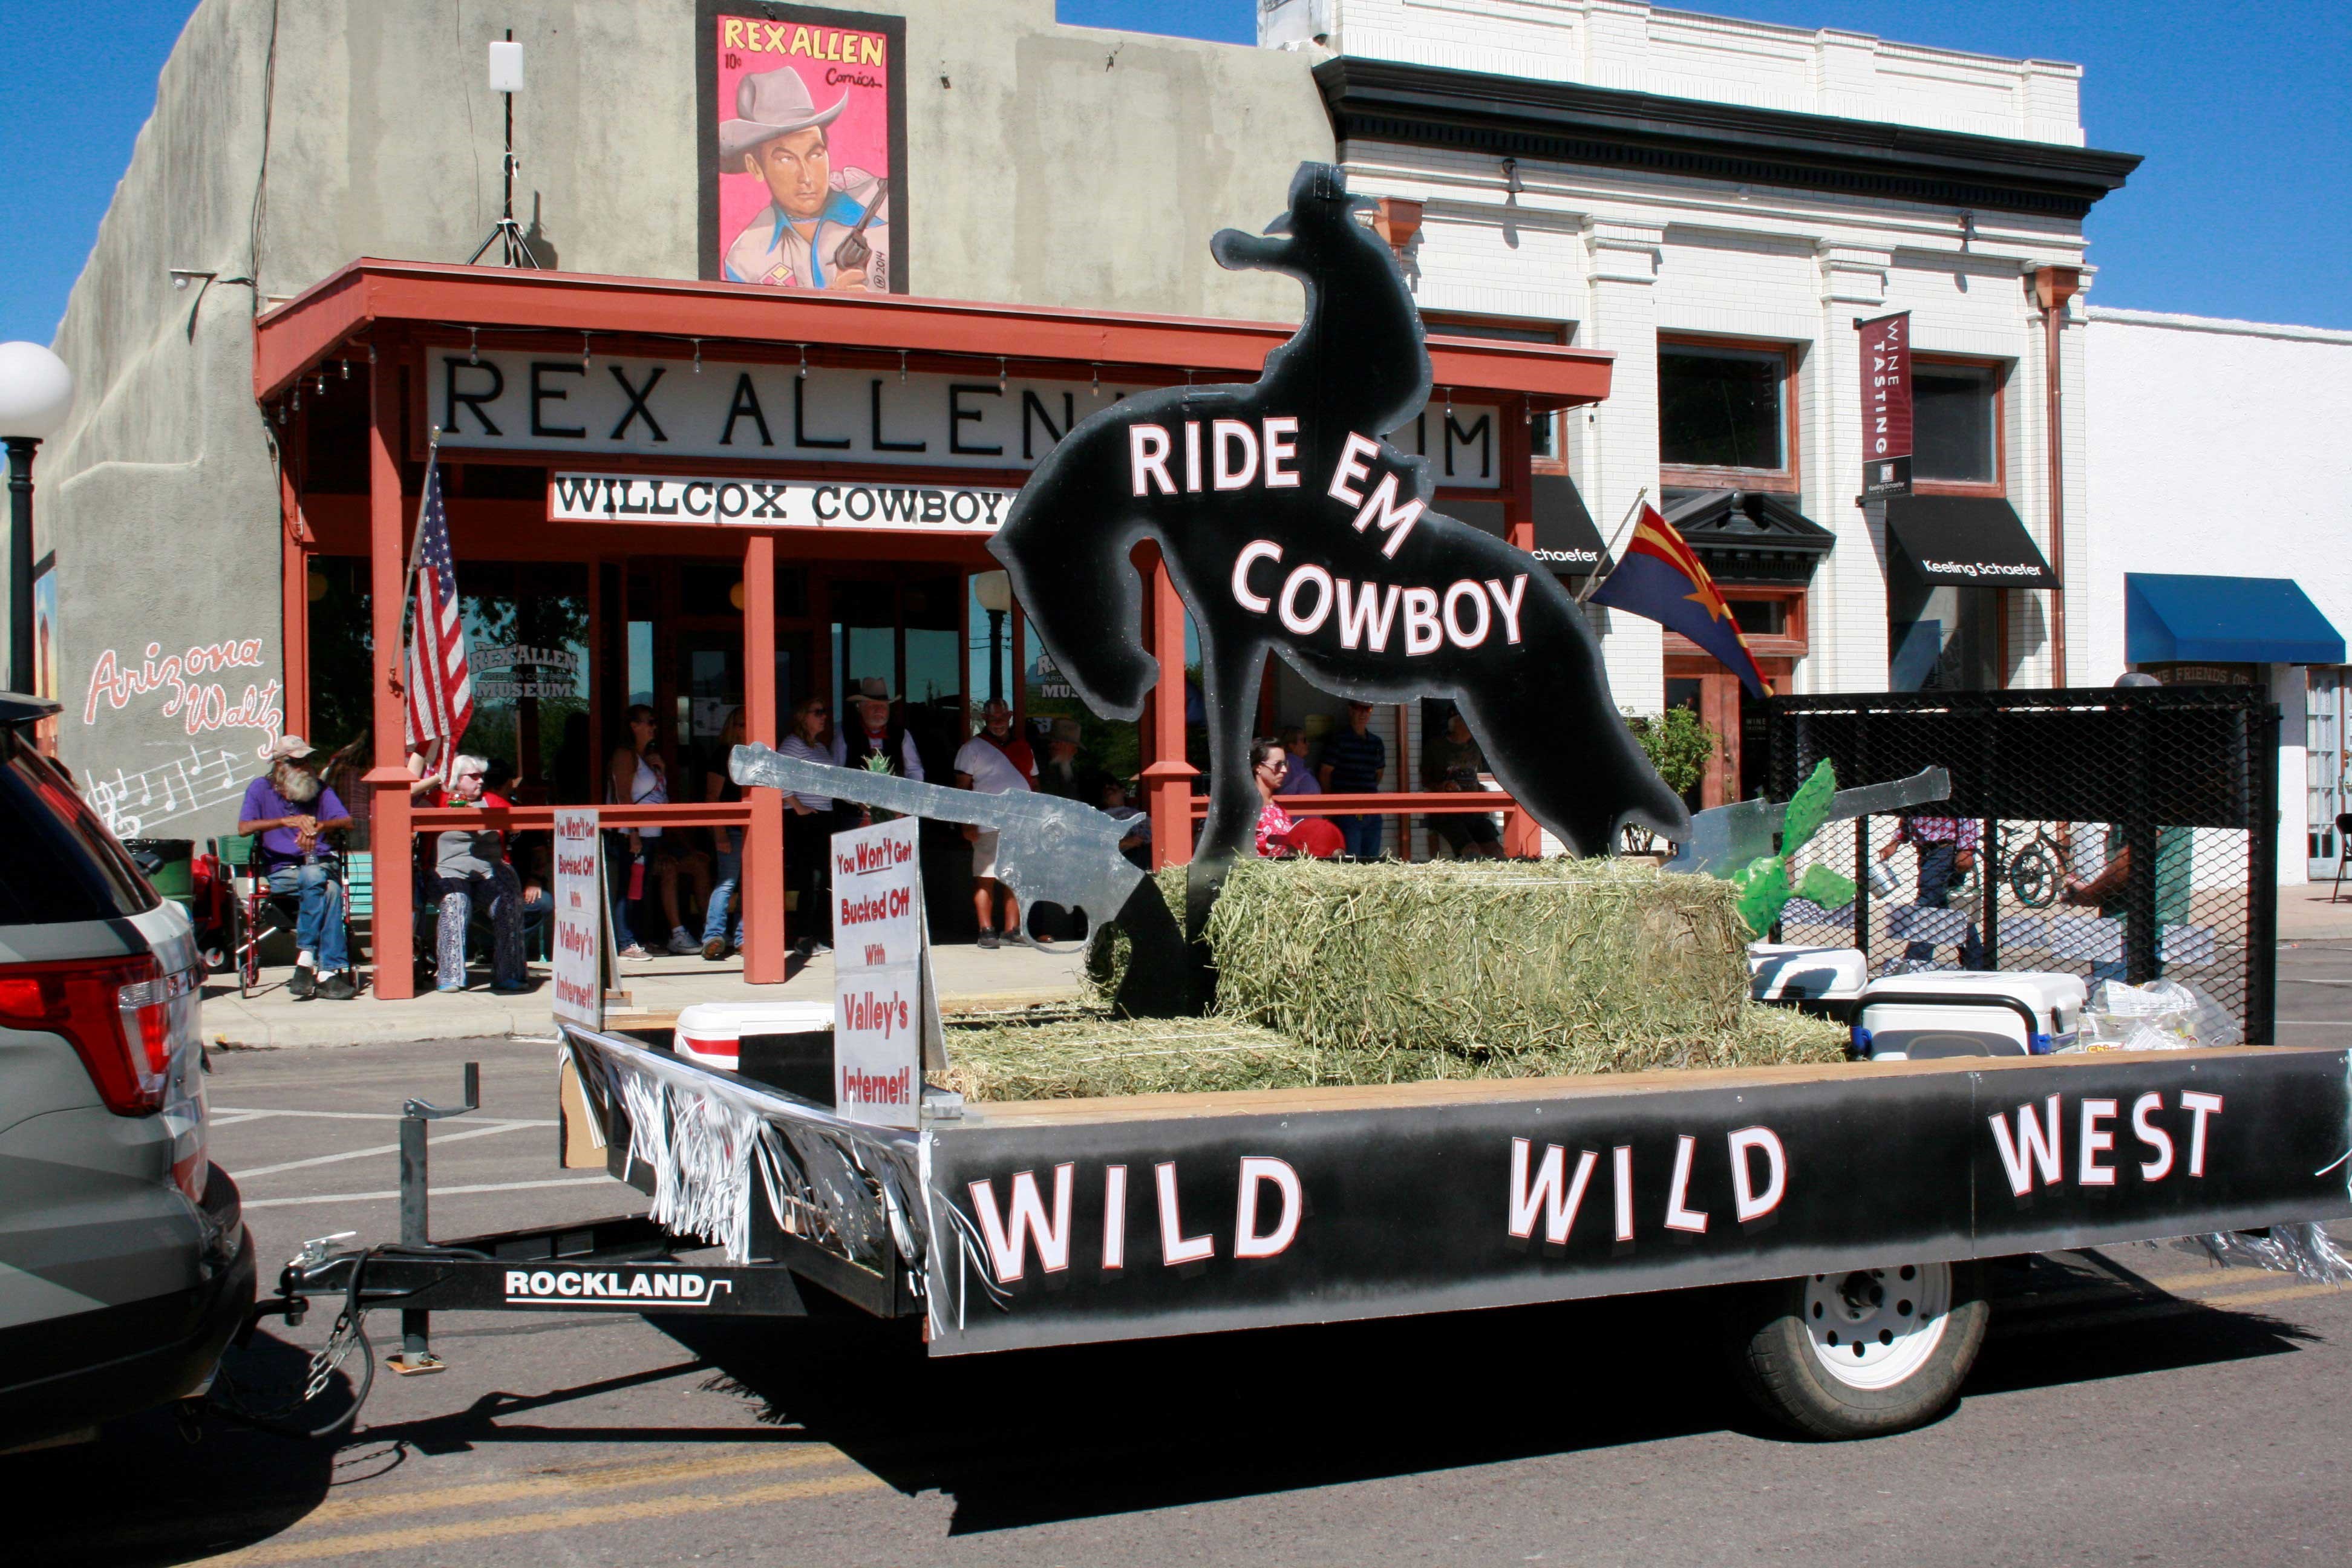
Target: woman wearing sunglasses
1280,835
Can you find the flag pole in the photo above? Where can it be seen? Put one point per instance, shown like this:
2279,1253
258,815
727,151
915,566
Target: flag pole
408,584
1610,552
416,535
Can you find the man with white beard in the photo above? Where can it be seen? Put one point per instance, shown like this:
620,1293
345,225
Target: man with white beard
291,807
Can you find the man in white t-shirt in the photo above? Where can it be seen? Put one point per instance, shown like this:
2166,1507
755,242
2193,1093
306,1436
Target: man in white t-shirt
994,762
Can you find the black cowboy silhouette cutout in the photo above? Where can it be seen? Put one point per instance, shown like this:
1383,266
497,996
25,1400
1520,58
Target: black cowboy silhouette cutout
1288,525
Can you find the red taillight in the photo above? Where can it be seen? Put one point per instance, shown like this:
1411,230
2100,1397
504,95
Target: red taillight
117,1011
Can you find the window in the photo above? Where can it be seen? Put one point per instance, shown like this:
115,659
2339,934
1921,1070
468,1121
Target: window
1727,409
1544,446
1761,618
1956,423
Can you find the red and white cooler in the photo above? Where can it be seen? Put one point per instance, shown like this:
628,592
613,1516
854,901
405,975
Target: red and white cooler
712,1033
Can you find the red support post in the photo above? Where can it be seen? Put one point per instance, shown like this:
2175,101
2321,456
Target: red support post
763,846
388,831
1521,836
1167,774
294,600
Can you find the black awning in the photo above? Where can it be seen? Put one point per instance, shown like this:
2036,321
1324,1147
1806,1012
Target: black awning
1965,542
1748,536
1565,539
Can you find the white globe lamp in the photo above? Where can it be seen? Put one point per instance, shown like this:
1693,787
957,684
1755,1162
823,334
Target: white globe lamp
36,395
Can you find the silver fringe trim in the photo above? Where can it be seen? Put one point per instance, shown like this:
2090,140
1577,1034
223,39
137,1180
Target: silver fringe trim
2301,1249
705,1136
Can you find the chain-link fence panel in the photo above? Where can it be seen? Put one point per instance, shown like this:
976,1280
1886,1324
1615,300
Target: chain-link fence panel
2124,834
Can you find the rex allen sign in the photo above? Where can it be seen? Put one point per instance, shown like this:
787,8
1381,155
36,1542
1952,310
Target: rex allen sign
731,413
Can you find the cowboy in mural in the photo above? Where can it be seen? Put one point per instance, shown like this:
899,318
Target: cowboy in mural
820,230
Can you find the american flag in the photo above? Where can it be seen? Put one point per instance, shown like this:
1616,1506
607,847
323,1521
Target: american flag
440,686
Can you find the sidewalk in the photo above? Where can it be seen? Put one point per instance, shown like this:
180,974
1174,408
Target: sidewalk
2304,913
659,987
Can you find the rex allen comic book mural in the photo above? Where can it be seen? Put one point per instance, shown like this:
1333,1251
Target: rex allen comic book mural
804,133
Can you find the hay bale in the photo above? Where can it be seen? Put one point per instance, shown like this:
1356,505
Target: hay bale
1070,1054
1589,965
1083,1053
1395,974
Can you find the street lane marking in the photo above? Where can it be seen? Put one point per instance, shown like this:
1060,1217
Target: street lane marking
570,1483
553,1519
439,1140
250,1111
436,1192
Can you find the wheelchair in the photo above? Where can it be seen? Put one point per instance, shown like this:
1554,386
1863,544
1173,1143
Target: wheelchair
257,912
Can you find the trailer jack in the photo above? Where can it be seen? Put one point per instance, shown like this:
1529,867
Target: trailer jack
416,1356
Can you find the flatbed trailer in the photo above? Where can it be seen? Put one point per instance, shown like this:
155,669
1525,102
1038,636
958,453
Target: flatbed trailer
1841,1210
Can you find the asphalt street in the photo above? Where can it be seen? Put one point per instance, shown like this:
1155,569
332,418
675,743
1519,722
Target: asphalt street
2133,1405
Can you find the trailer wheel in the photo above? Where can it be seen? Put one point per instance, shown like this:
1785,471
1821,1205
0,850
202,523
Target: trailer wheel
1858,1353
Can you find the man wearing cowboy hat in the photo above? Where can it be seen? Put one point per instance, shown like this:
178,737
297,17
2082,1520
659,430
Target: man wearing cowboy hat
807,237
871,732
289,807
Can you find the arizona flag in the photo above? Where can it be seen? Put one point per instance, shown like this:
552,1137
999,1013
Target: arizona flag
1661,580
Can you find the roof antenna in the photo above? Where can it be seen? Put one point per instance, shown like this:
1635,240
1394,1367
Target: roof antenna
506,80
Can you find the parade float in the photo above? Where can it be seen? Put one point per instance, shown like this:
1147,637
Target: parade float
1308,1093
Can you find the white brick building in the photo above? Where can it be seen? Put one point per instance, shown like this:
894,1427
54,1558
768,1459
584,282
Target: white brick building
2264,409
1726,198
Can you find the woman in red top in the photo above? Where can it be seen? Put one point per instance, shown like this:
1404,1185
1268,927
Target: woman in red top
1278,833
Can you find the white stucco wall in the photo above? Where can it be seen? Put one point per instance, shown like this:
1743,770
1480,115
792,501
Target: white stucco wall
2219,447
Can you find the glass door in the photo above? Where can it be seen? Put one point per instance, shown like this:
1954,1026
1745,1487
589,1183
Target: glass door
2323,740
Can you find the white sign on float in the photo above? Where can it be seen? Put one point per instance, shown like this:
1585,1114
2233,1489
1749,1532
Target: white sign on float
578,968
884,1009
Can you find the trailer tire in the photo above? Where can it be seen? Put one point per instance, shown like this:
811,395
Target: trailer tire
1915,1330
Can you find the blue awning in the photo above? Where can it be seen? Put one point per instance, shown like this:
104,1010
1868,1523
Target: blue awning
2224,620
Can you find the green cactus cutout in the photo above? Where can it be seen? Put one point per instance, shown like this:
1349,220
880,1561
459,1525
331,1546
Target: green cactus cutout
876,762
1762,885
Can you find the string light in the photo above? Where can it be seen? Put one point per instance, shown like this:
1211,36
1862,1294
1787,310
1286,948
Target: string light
698,356
473,345
999,372
345,367
804,362
1449,402
583,351
1097,388
902,366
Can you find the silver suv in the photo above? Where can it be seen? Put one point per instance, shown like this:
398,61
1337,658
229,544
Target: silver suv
124,1262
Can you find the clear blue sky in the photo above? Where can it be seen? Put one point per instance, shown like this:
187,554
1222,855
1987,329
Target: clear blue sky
2243,112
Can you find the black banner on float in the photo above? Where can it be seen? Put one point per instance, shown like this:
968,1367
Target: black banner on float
1070,1228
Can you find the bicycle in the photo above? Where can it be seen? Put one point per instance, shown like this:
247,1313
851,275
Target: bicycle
2035,873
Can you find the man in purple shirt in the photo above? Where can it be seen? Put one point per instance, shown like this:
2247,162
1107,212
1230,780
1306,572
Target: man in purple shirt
289,807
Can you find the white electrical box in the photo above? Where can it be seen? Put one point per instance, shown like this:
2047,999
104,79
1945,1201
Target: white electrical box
506,67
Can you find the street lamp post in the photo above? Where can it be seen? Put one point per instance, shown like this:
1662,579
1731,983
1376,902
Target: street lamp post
36,394
994,592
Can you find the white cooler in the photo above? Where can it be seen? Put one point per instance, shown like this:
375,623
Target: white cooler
712,1033
1824,979
1967,1013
